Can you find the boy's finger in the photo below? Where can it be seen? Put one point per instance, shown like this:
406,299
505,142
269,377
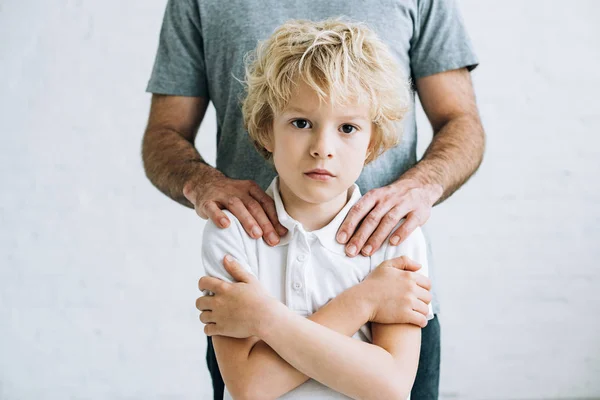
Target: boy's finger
421,308
214,285
405,263
419,319
424,295
210,329
204,303
423,281
235,270
206,317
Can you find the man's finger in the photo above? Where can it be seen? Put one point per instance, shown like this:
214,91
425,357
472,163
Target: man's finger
206,317
238,208
355,215
268,205
204,303
236,271
256,210
411,223
386,225
214,285
217,216
367,226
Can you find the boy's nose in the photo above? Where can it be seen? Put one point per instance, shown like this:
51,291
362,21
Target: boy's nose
322,146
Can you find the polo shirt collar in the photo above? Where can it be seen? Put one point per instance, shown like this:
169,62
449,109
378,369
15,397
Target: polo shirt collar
325,235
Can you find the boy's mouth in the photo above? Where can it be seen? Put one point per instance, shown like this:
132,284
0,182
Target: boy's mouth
319,174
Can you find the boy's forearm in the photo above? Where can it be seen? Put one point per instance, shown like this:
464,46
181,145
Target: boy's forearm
345,314
170,161
355,368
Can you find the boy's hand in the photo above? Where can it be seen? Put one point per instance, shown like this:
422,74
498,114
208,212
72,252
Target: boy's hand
235,309
381,209
243,198
397,293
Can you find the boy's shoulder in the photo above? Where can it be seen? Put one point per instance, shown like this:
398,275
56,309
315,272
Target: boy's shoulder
233,231
414,247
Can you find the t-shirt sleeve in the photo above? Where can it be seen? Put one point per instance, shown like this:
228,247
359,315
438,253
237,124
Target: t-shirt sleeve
179,66
217,242
415,248
440,41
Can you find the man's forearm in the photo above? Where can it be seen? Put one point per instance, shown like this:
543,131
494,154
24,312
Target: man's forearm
453,156
170,161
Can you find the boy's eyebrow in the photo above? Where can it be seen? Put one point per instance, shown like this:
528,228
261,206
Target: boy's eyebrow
297,109
347,117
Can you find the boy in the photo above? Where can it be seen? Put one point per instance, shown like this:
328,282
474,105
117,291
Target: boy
323,100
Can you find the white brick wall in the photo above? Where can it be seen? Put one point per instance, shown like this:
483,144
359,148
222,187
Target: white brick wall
97,282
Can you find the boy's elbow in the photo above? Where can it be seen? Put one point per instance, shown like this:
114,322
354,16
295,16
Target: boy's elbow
394,386
249,390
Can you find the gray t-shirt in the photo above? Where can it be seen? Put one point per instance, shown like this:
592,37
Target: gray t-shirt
203,43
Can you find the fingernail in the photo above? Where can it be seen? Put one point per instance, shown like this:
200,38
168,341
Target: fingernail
256,232
223,222
282,231
342,237
367,249
394,240
351,250
228,258
272,238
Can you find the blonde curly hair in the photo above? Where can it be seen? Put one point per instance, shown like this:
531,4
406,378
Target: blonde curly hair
341,61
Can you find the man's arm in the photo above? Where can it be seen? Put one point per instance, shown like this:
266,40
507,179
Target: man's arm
458,143
453,156
168,152
175,167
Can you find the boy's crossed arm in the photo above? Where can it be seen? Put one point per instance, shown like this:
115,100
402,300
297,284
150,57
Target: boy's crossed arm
279,347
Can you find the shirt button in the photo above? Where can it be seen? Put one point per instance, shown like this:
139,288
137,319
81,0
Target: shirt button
297,286
301,257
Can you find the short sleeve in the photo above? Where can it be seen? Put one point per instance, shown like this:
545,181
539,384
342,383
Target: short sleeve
440,41
217,242
415,248
179,66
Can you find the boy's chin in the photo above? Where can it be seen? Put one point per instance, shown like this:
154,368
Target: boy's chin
320,195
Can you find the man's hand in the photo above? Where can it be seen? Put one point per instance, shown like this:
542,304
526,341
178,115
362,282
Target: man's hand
381,209
235,309
245,199
398,294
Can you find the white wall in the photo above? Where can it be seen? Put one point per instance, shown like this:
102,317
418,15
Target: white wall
98,270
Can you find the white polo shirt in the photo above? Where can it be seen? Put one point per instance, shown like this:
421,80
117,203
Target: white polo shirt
306,269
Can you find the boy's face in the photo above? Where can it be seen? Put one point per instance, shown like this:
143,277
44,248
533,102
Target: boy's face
318,149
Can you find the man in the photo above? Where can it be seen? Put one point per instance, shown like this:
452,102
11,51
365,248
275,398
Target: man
200,58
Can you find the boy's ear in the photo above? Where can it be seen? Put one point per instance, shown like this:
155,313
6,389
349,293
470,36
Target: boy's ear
268,141
268,144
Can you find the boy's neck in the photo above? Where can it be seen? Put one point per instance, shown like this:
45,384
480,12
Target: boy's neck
312,216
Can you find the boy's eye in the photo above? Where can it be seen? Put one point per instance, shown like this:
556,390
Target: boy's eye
346,128
301,123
